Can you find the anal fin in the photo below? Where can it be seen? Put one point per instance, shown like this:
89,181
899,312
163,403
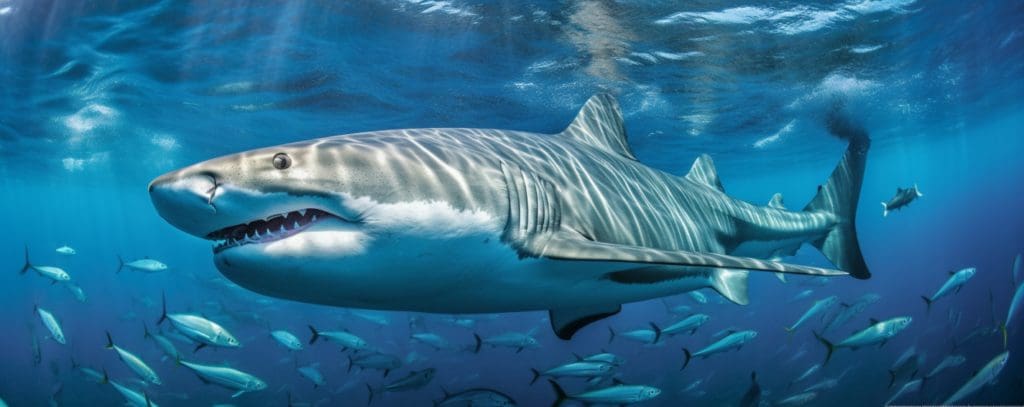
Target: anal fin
567,321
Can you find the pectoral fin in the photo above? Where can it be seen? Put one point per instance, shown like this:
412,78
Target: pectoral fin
566,321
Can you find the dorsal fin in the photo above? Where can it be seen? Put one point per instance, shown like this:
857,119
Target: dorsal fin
703,172
599,124
776,201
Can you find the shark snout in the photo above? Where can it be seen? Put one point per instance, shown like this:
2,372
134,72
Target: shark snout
186,201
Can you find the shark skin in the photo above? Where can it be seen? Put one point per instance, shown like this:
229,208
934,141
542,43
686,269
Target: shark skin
478,220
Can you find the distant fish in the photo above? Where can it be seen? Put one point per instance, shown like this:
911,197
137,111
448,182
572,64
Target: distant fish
678,309
55,274
646,336
199,329
286,339
374,360
819,307
87,373
134,362
461,322
575,369
877,333
987,375
165,345
698,297
145,265
752,398
312,372
797,399
605,357
76,291
346,339
227,377
907,388
903,198
826,384
133,398
849,311
371,317
806,374
475,398
65,250
735,340
414,380
515,340
432,339
620,394
946,363
1015,304
1018,270
800,296
953,284
688,324
51,324
906,366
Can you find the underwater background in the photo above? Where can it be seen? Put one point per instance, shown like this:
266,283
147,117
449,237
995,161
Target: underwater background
98,98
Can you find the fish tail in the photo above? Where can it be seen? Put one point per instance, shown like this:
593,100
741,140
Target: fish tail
163,308
885,210
536,375
371,393
927,303
106,377
687,356
657,333
477,343
110,341
349,370
917,191
611,334
892,378
829,347
28,264
560,396
839,196
145,331
314,335
120,263
1002,328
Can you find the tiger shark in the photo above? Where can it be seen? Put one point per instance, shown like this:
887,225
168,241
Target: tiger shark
478,220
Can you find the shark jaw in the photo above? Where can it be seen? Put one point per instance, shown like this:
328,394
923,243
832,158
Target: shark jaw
273,228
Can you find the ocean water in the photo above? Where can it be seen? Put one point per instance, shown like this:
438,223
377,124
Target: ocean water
99,98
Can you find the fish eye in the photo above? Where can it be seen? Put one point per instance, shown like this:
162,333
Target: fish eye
282,161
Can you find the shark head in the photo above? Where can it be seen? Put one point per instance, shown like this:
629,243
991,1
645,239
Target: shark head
329,221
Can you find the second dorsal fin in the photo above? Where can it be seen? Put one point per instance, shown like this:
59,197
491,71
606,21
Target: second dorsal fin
704,172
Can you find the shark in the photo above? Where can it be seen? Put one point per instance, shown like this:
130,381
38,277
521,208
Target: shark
452,220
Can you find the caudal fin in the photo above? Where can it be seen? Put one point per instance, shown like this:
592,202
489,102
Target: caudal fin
731,284
839,196
560,395
163,308
927,303
314,335
120,263
611,334
110,342
536,375
28,264
829,347
477,343
686,358
885,210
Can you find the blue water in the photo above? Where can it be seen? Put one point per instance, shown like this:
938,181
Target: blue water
98,98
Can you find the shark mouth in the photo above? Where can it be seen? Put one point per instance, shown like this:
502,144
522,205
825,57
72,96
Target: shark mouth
272,228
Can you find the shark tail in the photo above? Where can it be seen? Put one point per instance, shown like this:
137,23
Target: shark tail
839,196
28,264
686,358
885,210
731,284
927,303
829,347
560,396
536,375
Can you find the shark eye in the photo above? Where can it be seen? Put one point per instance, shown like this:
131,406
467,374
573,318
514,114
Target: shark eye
282,161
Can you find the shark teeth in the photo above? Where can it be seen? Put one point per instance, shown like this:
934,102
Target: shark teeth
274,227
